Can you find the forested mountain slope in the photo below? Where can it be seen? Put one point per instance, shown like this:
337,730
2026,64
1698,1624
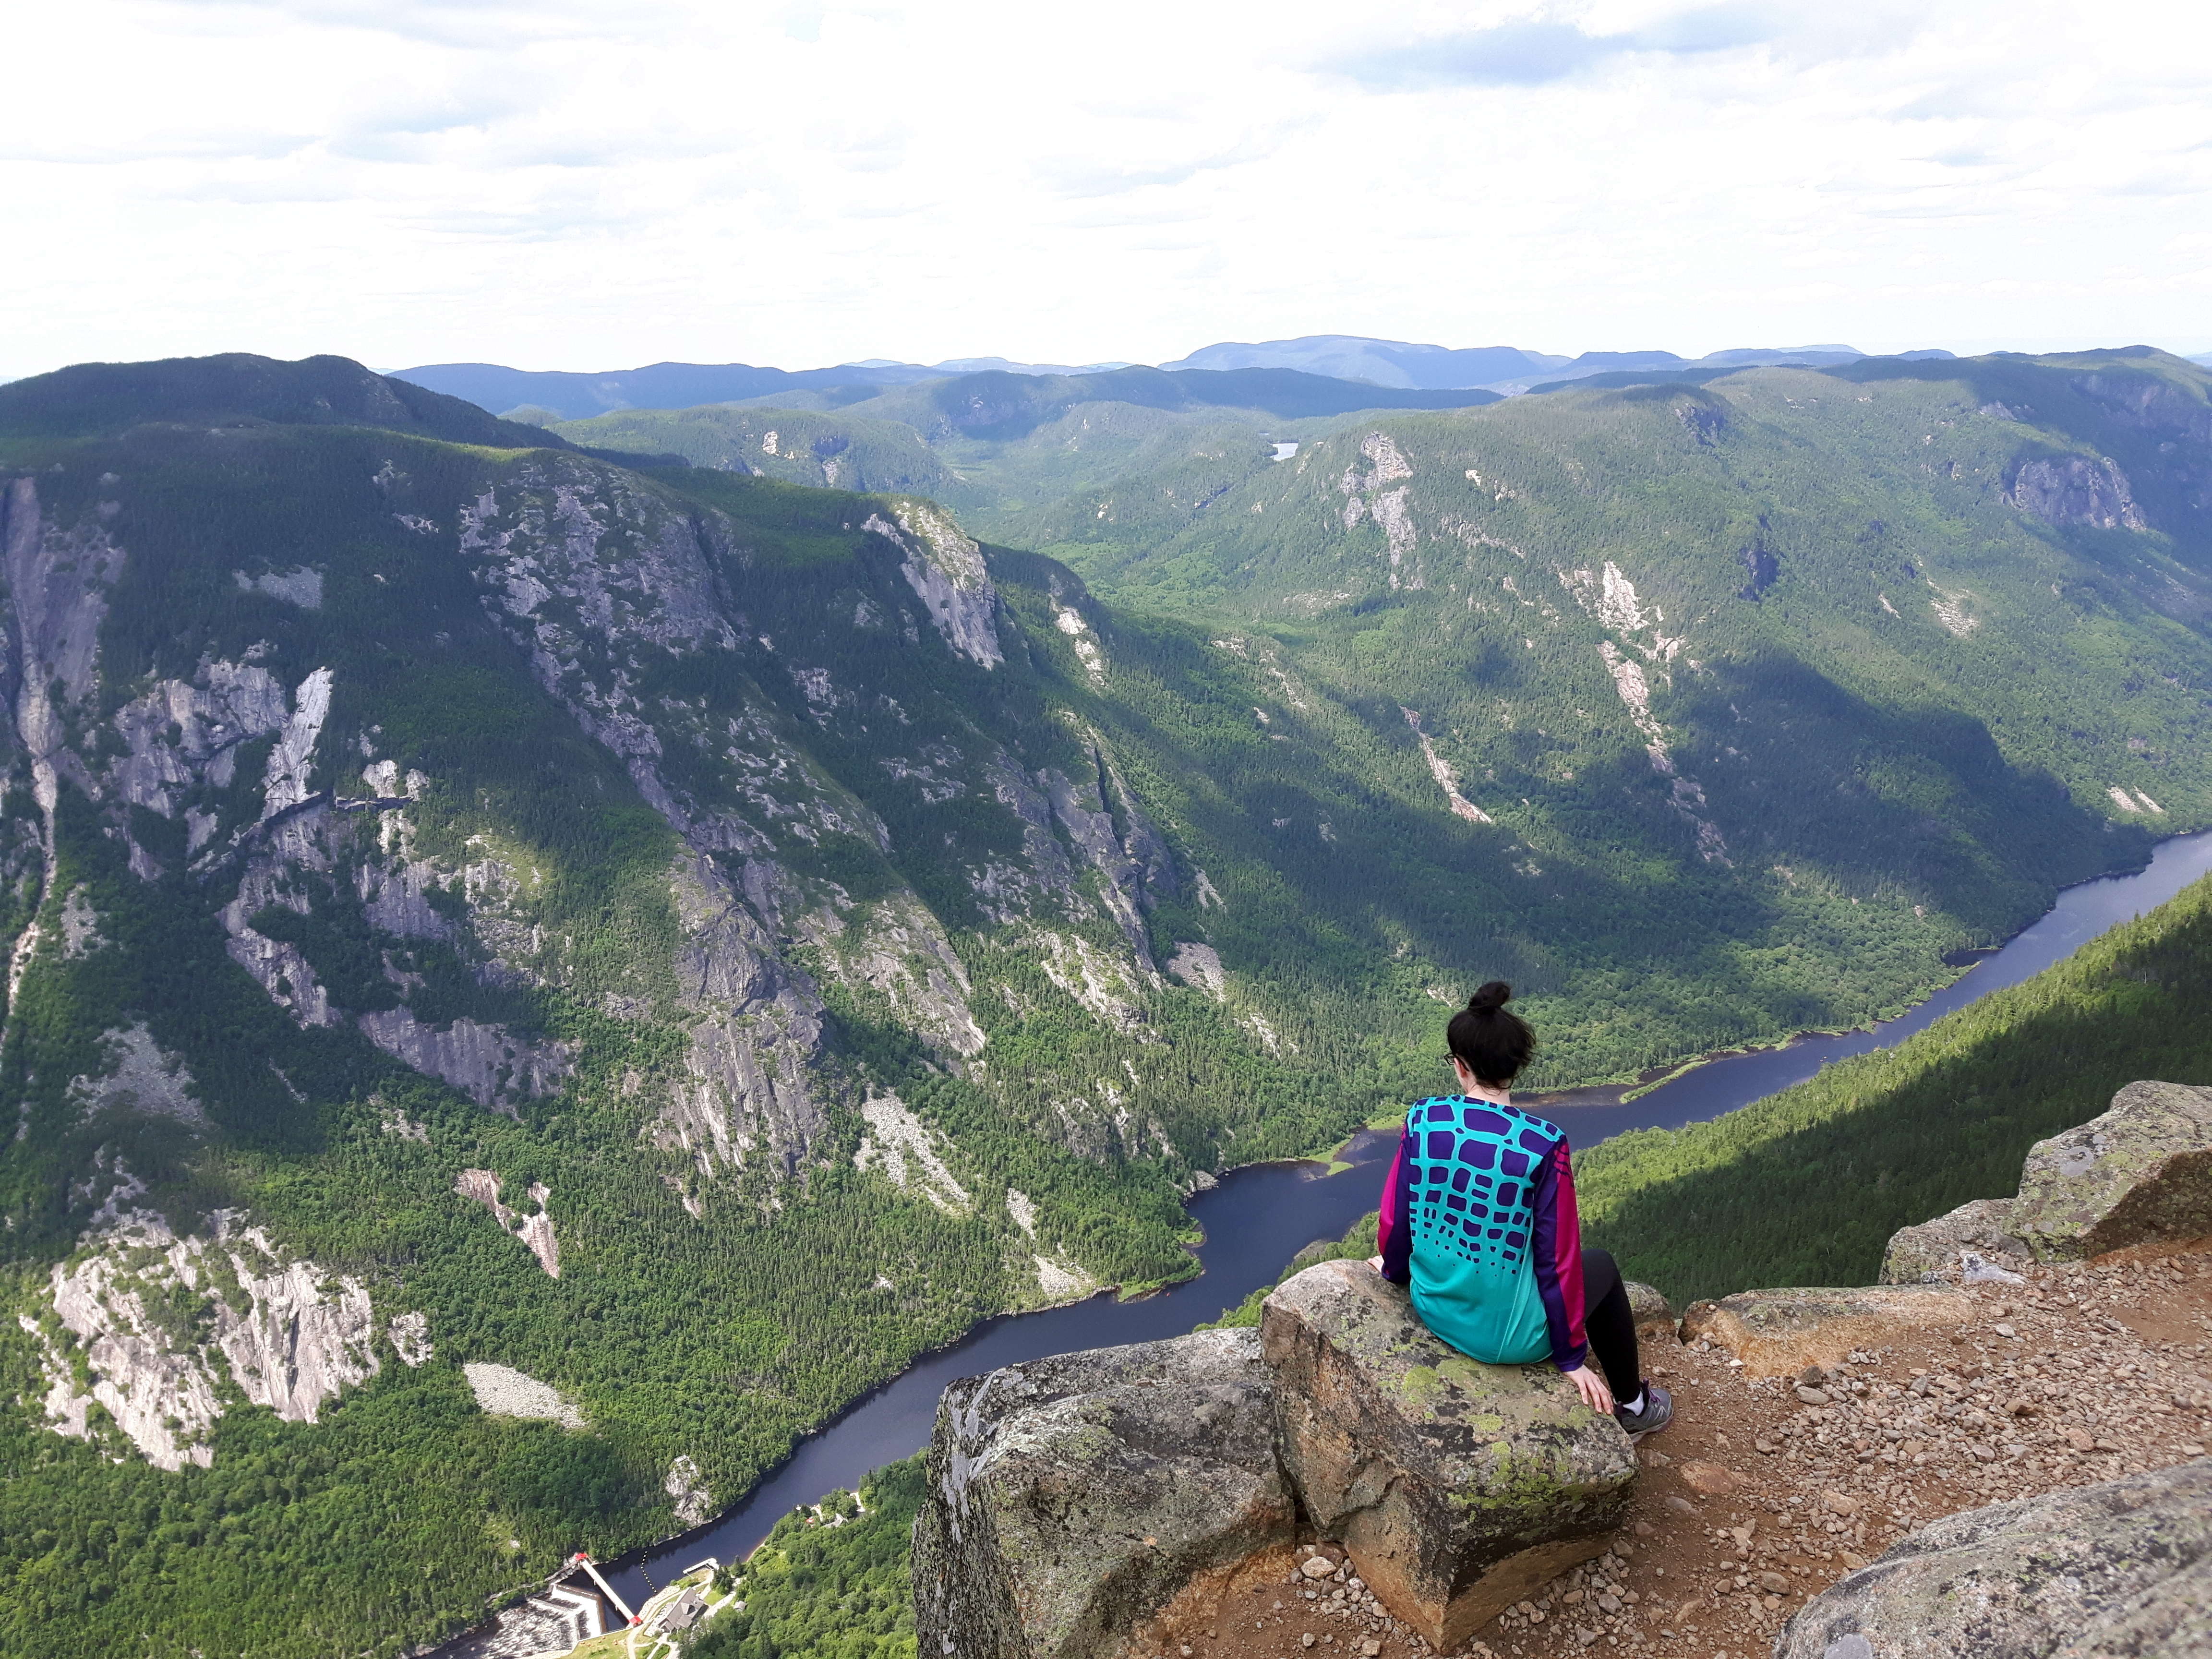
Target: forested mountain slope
479,907
1850,667
1807,1186
652,951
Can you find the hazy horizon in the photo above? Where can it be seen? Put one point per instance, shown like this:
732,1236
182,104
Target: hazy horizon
805,185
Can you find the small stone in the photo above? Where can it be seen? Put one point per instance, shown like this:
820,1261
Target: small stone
1370,1647
1854,1562
1645,1529
2007,1332
1812,1376
1307,1640
1775,1583
1318,1567
1841,1503
1814,1396
1679,1503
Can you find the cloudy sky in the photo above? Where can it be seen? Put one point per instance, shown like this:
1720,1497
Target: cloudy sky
595,184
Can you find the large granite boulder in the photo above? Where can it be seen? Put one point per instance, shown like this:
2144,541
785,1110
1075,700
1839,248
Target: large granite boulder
1071,1499
2096,1573
2141,1174
1653,1314
1973,1244
1779,1332
1457,1487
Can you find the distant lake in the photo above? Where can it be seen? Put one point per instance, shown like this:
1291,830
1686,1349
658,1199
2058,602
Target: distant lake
1260,1217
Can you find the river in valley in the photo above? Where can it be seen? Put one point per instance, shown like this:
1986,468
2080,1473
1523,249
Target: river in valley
1257,1218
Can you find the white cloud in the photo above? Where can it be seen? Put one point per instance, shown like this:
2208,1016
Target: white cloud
591,186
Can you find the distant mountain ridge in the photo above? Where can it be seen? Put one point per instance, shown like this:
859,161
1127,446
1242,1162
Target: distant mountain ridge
1396,365
1497,369
551,394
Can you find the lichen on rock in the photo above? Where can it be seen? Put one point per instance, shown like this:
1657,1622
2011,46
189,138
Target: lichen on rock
1457,1486
1071,1499
1939,1250
2139,1173
2120,1569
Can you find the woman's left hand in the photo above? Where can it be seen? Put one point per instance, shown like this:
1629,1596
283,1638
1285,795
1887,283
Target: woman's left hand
1589,1384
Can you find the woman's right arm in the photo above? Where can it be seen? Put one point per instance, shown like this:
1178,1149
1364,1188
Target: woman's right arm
1394,1230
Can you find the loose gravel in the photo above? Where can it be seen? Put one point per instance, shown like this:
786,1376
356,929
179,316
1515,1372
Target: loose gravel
1765,1491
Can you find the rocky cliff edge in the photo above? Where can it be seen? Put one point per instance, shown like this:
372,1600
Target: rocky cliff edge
2004,1456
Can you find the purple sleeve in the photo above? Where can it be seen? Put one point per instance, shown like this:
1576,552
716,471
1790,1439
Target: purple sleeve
1393,1228
1556,1245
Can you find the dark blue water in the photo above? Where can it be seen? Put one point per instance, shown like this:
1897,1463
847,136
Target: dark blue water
1255,1221
1258,1218
1589,1116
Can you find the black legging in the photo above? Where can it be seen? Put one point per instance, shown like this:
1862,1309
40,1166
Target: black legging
1610,1324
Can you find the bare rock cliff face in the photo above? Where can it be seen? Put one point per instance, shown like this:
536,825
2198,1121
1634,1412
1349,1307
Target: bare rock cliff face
946,570
2075,490
291,1334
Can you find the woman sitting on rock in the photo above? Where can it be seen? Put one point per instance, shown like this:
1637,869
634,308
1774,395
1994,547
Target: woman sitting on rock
1479,1217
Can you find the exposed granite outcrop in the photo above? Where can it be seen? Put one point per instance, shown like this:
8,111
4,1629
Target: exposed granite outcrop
158,1319
946,570
489,1064
1968,1243
1456,1486
1779,1333
2139,1173
2150,404
2099,1572
2076,489
1072,1499
535,1230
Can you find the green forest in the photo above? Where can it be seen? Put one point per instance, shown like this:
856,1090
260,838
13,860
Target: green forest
816,1590
1806,1186
830,931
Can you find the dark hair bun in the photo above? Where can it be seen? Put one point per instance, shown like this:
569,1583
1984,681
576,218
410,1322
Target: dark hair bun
1491,997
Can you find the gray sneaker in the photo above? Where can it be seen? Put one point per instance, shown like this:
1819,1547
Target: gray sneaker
1658,1412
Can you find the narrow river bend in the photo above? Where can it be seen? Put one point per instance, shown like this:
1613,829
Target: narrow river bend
1259,1217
